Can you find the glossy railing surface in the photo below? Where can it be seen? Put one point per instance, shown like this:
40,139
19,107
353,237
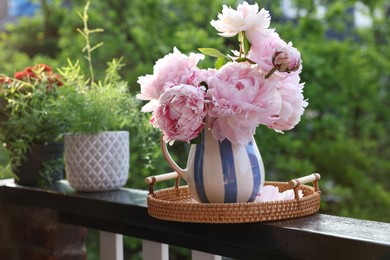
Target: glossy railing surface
124,212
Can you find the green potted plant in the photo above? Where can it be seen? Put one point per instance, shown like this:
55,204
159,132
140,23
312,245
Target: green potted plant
95,113
29,129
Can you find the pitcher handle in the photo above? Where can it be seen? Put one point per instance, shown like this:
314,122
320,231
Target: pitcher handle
169,159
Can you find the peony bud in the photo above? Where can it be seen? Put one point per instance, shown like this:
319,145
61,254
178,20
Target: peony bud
286,59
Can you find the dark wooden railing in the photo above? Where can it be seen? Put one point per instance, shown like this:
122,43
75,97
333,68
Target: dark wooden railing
124,212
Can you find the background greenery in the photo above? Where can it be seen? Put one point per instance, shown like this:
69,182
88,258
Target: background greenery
344,134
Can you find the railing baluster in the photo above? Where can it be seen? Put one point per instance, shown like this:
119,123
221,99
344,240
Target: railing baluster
154,251
111,246
197,255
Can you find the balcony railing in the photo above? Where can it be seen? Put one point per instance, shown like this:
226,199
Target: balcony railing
124,212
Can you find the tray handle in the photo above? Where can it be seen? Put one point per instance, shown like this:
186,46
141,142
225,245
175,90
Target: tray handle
296,183
162,177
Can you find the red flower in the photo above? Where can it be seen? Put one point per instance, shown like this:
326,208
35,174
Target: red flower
29,72
37,71
54,80
5,80
58,80
44,66
21,75
38,74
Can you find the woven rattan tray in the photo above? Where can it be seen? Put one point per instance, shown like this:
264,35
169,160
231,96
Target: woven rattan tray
177,204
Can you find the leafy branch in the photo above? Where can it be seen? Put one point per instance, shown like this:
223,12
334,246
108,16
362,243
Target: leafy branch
86,32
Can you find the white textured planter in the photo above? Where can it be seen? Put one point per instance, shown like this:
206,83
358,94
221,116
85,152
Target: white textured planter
97,162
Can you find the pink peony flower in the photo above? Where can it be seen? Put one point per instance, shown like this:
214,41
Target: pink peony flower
240,96
171,70
268,193
247,17
287,58
258,35
239,99
293,102
180,113
271,193
263,49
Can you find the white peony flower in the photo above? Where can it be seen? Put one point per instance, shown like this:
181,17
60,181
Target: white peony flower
247,17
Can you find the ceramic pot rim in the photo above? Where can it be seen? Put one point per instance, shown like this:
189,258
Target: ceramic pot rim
97,134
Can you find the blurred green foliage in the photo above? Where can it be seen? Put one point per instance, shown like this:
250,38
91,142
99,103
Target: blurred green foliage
344,133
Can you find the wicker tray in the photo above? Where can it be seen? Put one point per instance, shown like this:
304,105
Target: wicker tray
177,204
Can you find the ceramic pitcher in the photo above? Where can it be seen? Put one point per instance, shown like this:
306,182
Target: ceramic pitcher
221,172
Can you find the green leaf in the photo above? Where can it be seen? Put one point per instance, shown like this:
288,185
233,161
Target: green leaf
220,62
247,45
97,30
96,46
243,59
212,52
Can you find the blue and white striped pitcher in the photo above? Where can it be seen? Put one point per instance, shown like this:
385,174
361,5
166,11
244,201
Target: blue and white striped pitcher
221,172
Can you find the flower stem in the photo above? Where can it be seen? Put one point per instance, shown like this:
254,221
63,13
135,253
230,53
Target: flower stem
241,43
270,72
